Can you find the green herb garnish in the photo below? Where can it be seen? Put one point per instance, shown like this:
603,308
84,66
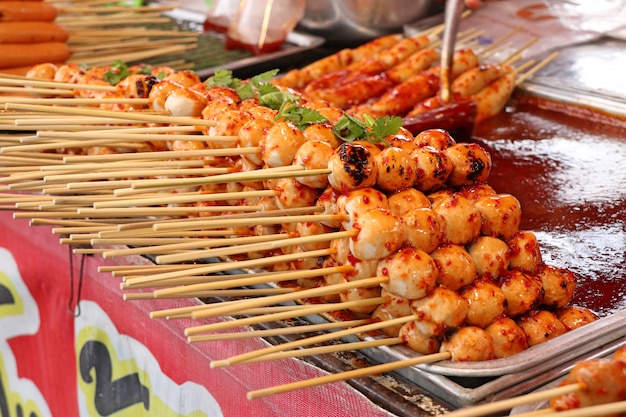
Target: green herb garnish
223,78
374,130
119,70
299,116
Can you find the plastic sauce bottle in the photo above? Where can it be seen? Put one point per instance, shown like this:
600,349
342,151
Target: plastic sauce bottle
261,26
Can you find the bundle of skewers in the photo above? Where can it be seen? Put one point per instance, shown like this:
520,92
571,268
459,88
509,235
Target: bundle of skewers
291,198
89,33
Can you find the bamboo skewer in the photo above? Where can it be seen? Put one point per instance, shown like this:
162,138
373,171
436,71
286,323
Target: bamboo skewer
267,318
366,328
261,311
321,350
357,373
220,293
303,294
194,270
110,113
490,408
276,332
590,411
238,249
195,244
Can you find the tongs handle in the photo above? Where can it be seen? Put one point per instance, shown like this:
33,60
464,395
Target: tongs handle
452,17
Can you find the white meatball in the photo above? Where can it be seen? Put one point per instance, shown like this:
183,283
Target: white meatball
361,293
442,306
228,123
574,317
314,154
501,215
469,343
412,273
396,169
424,228
421,336
462,218
522,292
184,102
471,163
328,201
491,256
541,326
380,233
250,136
292,193
280,144
352,166
486,302
432,168
437,138
525,251
456,266
404,201
558,286
508,338
473,192
356,202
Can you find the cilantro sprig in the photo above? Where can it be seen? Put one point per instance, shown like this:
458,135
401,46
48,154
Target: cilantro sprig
299,116
118,71
223,78
348,128
375,130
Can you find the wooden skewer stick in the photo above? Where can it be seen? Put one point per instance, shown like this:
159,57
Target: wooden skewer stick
259,174
110,113
303,294
194,270
261,311
300,312
73,176
232,250
75,100
320,350
220,293
519,80
183,198
35,90
276,332
195,244
53,84
490,408
366,328
221,281
356,373
590,411
219,223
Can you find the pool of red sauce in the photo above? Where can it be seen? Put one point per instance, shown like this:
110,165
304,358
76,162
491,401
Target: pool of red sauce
569,174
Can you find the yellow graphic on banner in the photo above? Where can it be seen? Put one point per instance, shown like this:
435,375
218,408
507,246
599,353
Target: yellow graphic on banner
10,302
120,387
12,391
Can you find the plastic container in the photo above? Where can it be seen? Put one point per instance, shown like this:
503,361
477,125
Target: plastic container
220,15
261,26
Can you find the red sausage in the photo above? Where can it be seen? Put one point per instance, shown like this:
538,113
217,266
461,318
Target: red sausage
19,55
32,32
26,11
